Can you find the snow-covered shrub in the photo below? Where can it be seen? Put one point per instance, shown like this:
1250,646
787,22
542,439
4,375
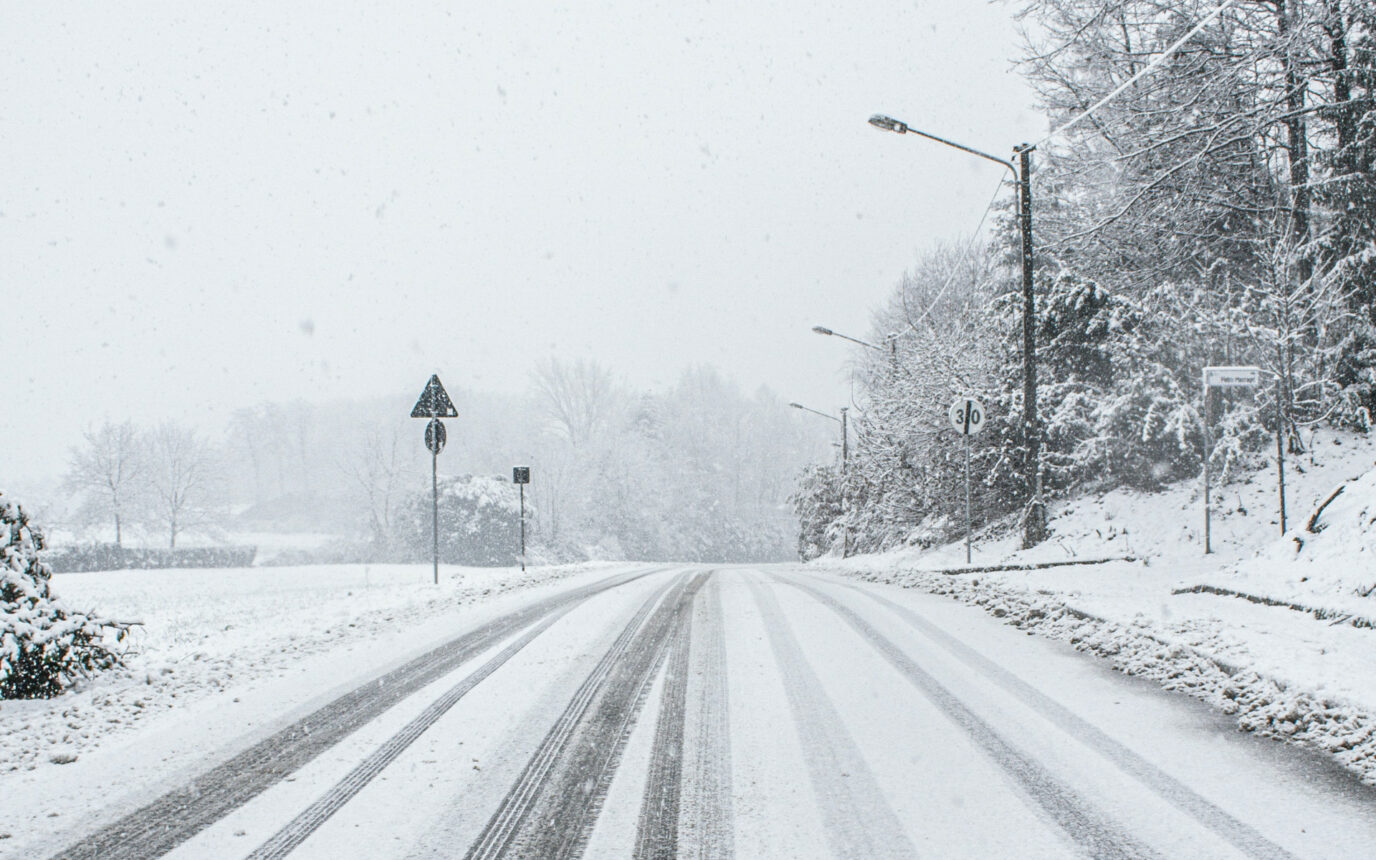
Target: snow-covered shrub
479,522
1356,374
44,646
109,556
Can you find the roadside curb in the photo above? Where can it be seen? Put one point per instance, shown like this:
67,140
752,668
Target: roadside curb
1333,616
1039,565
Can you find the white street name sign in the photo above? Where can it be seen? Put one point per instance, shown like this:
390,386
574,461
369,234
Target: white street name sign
1232,377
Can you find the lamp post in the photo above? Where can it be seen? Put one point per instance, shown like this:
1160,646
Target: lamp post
1034,529
892,340
845,459
845,443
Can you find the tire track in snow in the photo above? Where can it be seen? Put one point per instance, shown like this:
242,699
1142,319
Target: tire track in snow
1241,836
296,831
858,820
176,816
551,809
1088,827
705,818
657,827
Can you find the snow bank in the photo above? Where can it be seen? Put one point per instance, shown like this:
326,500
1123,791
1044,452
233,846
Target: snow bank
1222,627
1326,565
201,633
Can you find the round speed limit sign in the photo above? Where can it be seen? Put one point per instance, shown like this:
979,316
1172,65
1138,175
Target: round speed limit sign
967,415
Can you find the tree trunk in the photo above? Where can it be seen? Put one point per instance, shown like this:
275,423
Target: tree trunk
1296,139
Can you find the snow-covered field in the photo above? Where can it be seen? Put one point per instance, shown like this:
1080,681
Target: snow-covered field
1273,628
201,631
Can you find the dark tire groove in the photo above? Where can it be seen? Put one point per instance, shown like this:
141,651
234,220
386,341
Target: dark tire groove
857,817
1087,826
657,828
301,827
1242,837
551,809
159,826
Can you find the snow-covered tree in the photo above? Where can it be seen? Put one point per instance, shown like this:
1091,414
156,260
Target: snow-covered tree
111,470
379,472
44,645
185,479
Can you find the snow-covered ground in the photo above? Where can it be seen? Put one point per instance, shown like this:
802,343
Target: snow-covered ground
222,659
203,631
759,712
1273,628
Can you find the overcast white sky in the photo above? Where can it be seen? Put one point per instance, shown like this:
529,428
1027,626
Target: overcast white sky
204,208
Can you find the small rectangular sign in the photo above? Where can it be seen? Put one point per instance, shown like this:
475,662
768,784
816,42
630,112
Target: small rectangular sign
520,475
1232,377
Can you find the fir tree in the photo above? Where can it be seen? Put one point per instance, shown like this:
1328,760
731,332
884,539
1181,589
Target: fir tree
44,646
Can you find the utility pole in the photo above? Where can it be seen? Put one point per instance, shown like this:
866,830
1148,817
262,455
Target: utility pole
845,476
845,458
845,439
1034,529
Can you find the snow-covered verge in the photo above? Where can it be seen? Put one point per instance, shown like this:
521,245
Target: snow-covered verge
1270,628
204,633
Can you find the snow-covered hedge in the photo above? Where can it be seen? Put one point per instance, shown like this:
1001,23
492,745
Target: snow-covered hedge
108,556
44,646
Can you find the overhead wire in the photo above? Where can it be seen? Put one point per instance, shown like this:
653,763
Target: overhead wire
1149,67
955,270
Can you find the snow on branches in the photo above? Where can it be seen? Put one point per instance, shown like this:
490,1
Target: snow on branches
44,646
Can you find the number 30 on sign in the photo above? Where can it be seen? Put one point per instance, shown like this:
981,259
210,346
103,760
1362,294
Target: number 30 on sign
967,415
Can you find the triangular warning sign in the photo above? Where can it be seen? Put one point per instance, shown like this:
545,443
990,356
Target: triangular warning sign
434,401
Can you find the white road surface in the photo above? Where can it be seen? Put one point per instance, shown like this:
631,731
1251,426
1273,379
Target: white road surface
753,712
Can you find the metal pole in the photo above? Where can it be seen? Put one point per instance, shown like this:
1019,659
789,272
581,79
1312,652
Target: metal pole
845,509
1034,522
967,499
845,439
435,509
1208,450
523,525
1280,454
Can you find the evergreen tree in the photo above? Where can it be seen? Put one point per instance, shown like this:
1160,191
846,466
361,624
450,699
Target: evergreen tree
44,646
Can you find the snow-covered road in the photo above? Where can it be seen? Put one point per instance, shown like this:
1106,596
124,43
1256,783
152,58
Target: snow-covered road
749,712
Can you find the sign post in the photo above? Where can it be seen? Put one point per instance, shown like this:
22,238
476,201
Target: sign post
1240,377
434,403
967,417
520,476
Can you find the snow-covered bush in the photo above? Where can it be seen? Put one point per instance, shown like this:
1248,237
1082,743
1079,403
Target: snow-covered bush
108,556
44,646
479,522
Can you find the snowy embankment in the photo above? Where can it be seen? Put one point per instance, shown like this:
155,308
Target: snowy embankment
1274,629
208,634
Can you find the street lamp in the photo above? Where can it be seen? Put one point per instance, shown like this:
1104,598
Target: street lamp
1034,529
892,340
845,458
845,444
